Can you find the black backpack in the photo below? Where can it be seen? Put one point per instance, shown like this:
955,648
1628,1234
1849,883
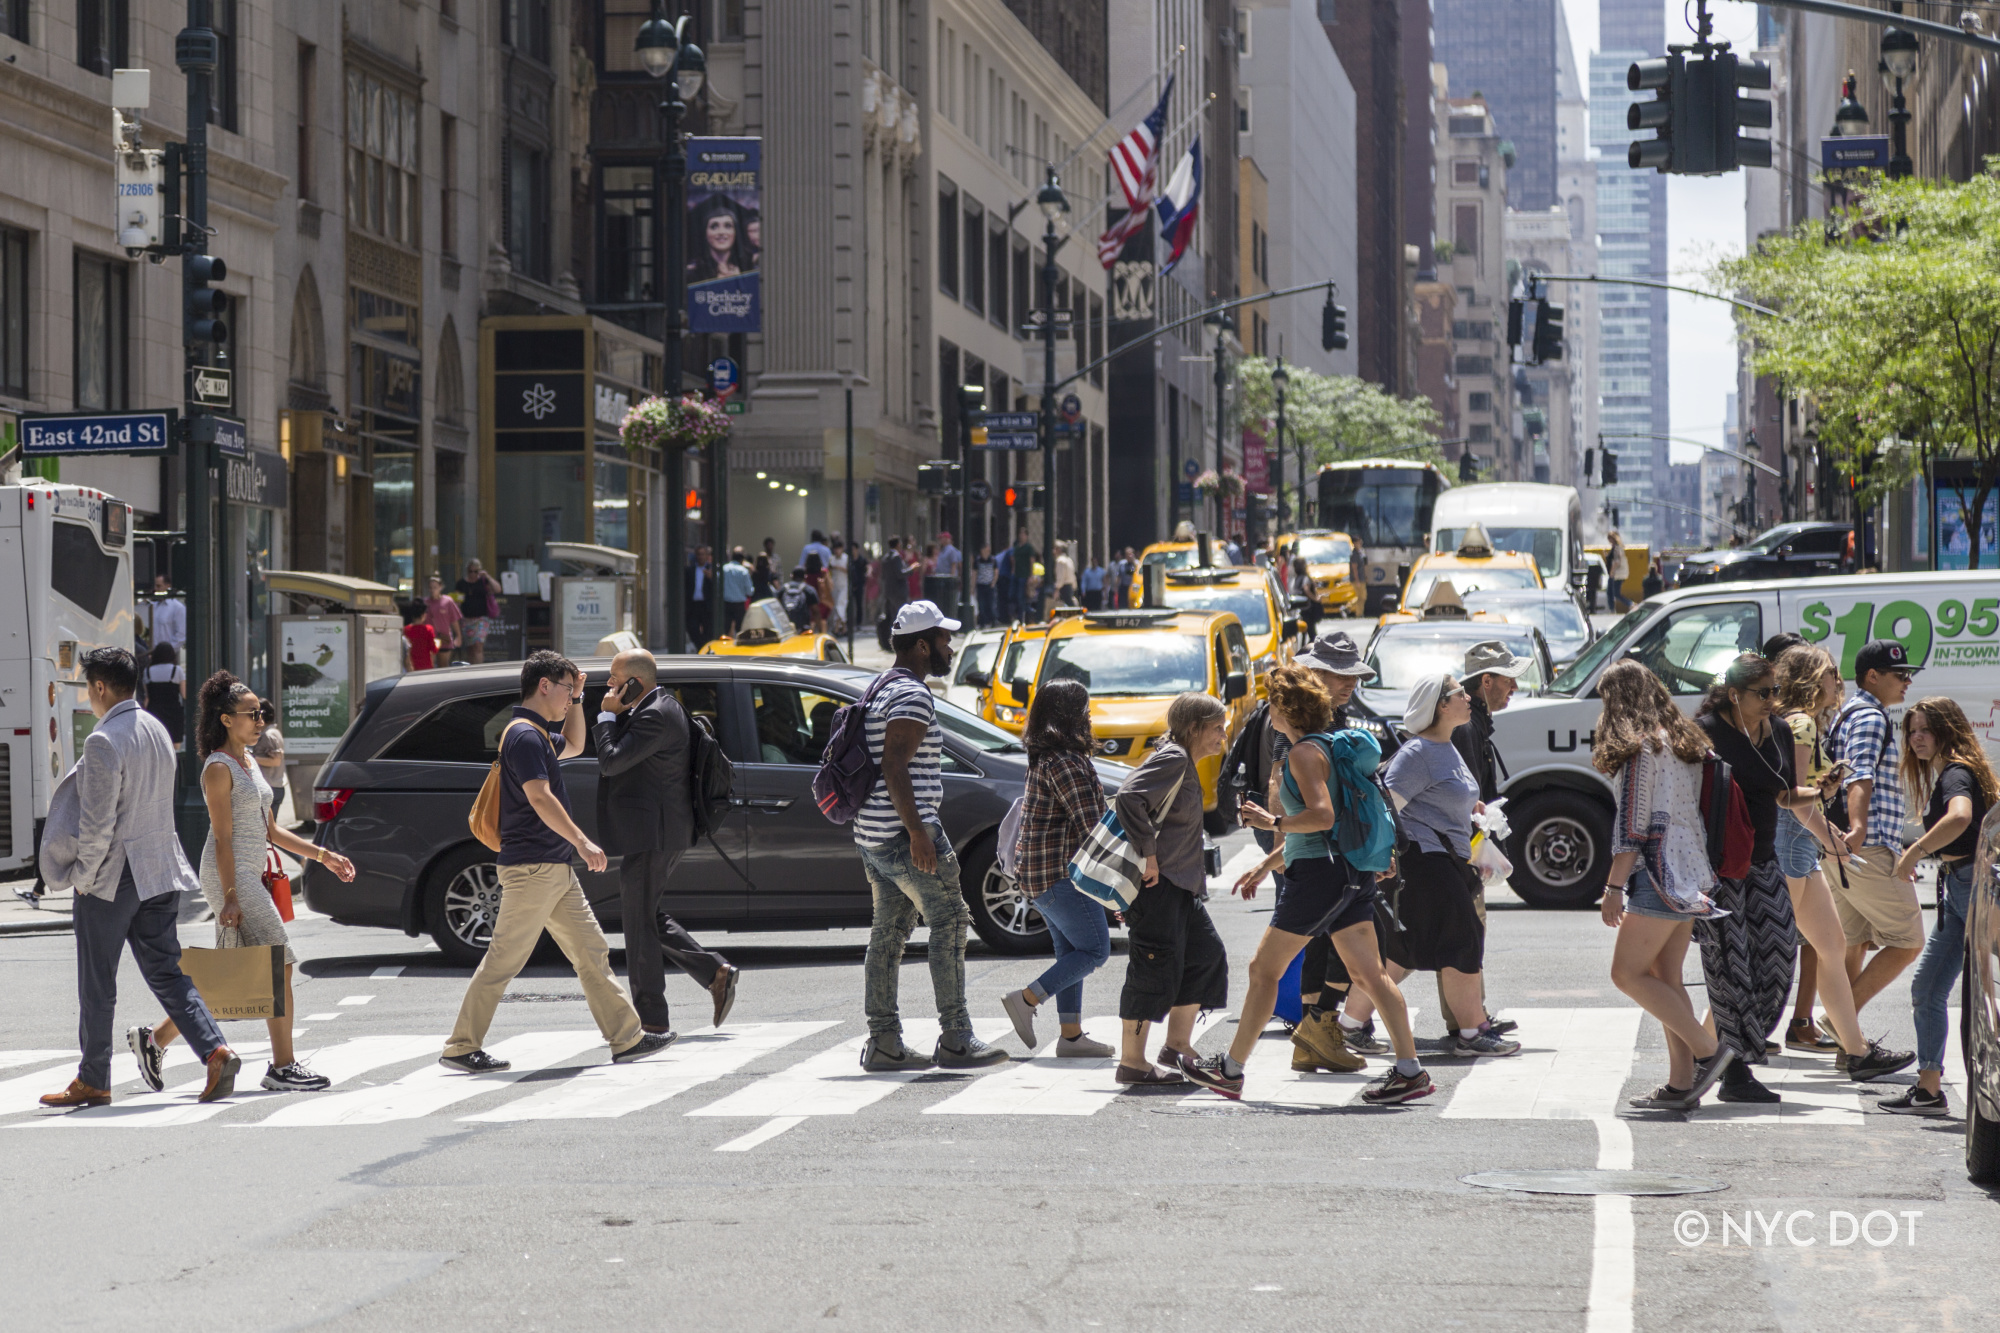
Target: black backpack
710,776
1835,806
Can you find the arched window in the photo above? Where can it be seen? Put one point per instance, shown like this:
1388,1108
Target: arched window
308,367
450,377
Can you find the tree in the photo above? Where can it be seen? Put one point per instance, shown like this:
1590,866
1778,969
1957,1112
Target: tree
1337,416
1891,323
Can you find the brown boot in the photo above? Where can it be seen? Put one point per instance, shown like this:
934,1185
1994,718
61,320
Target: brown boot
78,1093
1319,1044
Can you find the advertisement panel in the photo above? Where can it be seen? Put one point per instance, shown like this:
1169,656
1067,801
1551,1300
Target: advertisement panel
1954,537
314,673
725,237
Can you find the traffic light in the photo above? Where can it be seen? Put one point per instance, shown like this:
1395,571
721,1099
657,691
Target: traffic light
206,307
1664,78
1735,112
1695,113
1468,466
1514,321
1548,343
972,397
1610,468
1333,325
1010,497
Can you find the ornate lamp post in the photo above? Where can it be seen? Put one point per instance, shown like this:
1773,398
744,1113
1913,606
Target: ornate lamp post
1899,64
1280,381
1055,229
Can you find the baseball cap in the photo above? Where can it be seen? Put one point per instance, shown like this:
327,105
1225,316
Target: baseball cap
1493,657
1883,655
916,617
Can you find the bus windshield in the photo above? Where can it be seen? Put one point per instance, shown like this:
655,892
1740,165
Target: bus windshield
1545,544
1380,506
1325,550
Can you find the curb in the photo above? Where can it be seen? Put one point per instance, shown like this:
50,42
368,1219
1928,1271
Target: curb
55,925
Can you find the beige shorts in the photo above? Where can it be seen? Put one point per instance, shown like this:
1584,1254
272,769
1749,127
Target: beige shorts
1874,905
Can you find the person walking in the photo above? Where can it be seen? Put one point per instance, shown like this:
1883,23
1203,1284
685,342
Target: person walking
763,579
1063,801
240,827
1875,906
1321,895
479,604
1022,563
1092,584
168,619
110,837
1492,673
1302,586
1176,964
1615,572
444,616
816,546
985,570
645,816
911,865
821,585
538,885
837,576
1945,767
894,577
1660,877
269,752
166,689
1065,575
800,601
420,639
737,585
698,592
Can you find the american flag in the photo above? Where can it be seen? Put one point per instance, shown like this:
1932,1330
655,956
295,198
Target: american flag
1135,162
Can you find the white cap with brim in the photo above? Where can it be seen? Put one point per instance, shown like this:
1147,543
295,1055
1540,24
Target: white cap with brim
916,617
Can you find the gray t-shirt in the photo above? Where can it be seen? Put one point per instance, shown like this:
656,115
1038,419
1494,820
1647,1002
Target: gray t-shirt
1440,792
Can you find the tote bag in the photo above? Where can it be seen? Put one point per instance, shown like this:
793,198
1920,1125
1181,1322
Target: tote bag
1108,869
484,817
248,982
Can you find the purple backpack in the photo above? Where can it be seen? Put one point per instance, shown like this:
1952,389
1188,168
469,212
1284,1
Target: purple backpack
847,772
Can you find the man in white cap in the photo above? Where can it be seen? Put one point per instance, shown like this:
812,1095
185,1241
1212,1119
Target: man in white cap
911,867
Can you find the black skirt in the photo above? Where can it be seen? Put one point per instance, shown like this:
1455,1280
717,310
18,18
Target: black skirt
1441,926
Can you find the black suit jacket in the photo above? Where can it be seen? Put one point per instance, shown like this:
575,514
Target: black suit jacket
642,779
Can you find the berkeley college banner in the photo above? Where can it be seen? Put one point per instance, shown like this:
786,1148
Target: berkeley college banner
725,235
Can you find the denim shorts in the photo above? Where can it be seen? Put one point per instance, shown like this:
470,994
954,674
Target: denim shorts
1798,850
1642,899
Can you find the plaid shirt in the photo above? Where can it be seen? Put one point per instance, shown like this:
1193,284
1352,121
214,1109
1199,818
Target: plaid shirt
1064,799
1868,744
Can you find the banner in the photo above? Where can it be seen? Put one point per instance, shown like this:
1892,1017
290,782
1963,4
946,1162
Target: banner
725,234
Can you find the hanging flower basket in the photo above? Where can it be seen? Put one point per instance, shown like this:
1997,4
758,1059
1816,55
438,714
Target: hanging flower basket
657,423
1225,484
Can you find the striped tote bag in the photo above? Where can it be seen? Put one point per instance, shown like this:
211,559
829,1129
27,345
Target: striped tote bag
1108,869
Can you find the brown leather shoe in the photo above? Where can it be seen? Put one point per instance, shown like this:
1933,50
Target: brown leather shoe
78,1093
222,1067
723,989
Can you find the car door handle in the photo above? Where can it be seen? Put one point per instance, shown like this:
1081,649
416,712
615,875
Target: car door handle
772,803
737,802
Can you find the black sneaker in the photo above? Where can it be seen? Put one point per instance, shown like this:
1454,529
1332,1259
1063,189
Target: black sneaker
475,1062
1209,1073
1499,1027
1706,1072
294,1077
1746,1089
1480,1043
649,1043
1916,1102
1879,1062
1393,1088
1363,1039
149,1055
966,1051
877,1058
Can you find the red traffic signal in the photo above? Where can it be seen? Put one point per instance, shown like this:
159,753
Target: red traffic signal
693,499
1009,495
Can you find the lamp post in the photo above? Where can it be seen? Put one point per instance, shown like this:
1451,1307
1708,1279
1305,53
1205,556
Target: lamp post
1899,64
1055,214
1280,381
1222,326
663,48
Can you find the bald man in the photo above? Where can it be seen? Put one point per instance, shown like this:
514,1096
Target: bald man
646,818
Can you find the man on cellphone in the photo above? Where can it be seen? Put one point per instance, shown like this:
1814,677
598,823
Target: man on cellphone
538,885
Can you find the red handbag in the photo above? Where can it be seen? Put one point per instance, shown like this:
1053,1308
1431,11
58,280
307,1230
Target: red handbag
278,883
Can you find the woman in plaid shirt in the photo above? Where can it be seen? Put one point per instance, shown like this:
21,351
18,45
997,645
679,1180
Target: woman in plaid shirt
1064,800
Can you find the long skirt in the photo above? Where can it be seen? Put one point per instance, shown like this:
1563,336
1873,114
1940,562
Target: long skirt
1747,958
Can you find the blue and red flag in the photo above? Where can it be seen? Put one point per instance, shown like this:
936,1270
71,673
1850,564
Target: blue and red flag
1180,206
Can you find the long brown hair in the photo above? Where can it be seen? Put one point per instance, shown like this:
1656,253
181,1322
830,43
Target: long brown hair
1058,721
1801,668
1952,736
1637,708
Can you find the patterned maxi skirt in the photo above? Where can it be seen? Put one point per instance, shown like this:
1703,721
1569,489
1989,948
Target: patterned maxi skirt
1747,958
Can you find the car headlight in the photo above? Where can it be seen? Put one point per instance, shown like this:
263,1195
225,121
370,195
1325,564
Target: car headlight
1006,714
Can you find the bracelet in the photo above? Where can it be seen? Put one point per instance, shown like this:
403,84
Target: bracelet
1614,888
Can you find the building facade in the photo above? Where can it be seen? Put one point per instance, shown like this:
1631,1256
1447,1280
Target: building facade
1506,55
1472,258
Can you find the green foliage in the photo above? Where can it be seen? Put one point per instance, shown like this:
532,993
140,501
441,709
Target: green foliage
1337,416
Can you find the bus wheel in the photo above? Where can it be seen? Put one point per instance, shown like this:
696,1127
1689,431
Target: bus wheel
1561,849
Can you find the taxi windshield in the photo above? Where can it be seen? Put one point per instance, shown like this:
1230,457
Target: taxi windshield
1173,559
1466,578
1557,617
1126,664
1326,550
1251,606
1023,656
1401,660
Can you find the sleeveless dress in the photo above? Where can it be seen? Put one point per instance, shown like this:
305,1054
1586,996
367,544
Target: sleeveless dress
249,800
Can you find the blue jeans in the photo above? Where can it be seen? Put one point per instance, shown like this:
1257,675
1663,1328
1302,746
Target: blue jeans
989,613
103,931
1943,960
902,892
1798,847
1083,944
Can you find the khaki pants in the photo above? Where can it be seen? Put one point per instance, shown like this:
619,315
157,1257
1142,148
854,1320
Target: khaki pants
534,898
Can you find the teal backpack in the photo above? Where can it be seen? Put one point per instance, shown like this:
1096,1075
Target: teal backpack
1363,828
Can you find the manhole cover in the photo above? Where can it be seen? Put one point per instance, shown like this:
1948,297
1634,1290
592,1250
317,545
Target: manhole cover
537,997
1594,1182
1204,1107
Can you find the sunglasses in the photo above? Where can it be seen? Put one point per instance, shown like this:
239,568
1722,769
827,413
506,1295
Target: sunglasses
1766,693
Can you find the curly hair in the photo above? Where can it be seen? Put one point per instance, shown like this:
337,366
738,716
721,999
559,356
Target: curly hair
1743,672
219,694
1296,692
1637,710
1955,742
1058,721
1800,671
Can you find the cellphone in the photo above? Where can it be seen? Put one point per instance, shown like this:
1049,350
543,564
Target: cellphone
632,691
1840,770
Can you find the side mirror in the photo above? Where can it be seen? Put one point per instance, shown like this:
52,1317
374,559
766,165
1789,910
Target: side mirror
1019,690
1300,601
1234,686
1300,627
981,679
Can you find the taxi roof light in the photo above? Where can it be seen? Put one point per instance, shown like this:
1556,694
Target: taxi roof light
1475,545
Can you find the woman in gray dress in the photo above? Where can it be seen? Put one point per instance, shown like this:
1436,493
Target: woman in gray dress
232,866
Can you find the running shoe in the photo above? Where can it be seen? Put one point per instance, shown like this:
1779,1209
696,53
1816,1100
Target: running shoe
475,1062
966,1051
147,1052
1879,1062
294,1077
1745,1089
649,1043
1499,1027
1209,1073
1363,1039
1802,1035
1706,1072
1479,1043
1916,1102
1666,1097
1393,1088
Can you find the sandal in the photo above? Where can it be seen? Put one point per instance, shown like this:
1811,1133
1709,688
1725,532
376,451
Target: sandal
1149,1077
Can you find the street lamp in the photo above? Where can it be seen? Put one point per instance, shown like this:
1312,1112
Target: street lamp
1852,117
663,48
1899,64
1222,326
1280,381
1055,230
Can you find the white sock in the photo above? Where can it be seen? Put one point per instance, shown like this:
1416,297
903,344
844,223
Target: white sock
1349,1024
1468,1033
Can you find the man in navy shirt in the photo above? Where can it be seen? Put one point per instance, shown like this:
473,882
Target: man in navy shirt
538,885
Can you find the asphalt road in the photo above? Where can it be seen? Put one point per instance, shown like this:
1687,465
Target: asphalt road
755,1180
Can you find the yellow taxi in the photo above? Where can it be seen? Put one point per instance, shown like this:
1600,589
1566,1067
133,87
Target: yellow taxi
1017,658
1252,596
1474,565
1169,556
1136,662
1334,561
1441,603
767,632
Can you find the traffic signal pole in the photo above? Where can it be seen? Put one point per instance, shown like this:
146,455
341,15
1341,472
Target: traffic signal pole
195,51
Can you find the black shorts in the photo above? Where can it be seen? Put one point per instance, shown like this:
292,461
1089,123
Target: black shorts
1174,955
1441,925
1320,896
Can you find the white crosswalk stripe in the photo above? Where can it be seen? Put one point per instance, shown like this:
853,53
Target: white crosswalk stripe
1573,1064
833,1082
1046,1085
432,1088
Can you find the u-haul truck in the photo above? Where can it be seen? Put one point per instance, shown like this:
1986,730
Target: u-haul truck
65,588
1561,808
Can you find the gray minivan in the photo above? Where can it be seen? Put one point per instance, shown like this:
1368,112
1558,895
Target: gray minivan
395,795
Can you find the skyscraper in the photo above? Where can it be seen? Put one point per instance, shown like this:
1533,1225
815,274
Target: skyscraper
1506,54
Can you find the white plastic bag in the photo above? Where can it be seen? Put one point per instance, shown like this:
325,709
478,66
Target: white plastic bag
1487,858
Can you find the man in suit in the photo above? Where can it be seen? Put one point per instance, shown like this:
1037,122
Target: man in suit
110,835
698,585
645,816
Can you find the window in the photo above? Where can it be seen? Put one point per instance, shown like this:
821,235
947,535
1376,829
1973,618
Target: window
308,92
947,233
1479,402
625,234
1465,171
381,158
1689,648
13,312
793,725
80,569
1465,229
996,277
975,249
14,19
1473,365
524,28
618,29
101,35
1476,329
1243,111
100,333
526,196
1824,541
222,85
1479,433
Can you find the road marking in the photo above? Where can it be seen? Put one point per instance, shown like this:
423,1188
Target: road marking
356,999
322,1018
764,1133
395,971
1238,865
604,1092
15,1059
1812,1093
1573,1064
833,1082
1613,1267
434,1087
1047,1085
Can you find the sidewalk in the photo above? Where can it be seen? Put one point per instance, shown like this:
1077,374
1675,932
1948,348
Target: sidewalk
17,918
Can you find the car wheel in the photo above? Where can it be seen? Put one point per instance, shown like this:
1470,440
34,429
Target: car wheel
1982,1135
461,904
1982,1144
1561,849
1002,916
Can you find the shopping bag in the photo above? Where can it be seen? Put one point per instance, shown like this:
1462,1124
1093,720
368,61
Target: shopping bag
1108,869
277,883
239,983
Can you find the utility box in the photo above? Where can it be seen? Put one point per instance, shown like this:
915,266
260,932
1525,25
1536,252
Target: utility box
343,633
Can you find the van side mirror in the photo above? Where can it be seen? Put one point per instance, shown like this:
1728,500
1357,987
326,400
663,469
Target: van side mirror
1019,690
978,678
1234,686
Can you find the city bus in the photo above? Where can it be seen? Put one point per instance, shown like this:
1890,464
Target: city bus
1385,504
65,588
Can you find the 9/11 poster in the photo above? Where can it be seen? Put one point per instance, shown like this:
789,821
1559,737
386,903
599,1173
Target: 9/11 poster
725,235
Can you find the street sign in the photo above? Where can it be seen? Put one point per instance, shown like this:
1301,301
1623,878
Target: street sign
1848,152
1009,440
735,407
1192,468
724,376
1011,421
1064,318
48,434
1072,407
227,434
1069,428
212,386
977,491
1187,492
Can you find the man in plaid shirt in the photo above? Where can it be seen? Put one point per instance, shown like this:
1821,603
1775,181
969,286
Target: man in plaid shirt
1876,908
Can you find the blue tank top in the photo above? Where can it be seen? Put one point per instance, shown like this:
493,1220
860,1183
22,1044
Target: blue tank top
1303,846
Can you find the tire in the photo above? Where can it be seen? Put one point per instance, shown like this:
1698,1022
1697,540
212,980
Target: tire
461,903
1982,1136
1561,849
1982,1144
1001,914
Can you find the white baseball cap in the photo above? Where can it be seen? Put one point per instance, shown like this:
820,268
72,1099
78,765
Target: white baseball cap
916,617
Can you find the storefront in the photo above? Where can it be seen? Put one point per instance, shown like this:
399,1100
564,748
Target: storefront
255,494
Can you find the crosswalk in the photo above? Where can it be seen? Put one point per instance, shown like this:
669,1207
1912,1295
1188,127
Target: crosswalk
1575,1064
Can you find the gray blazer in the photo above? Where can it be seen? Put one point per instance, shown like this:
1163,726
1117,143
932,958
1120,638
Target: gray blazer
116,809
